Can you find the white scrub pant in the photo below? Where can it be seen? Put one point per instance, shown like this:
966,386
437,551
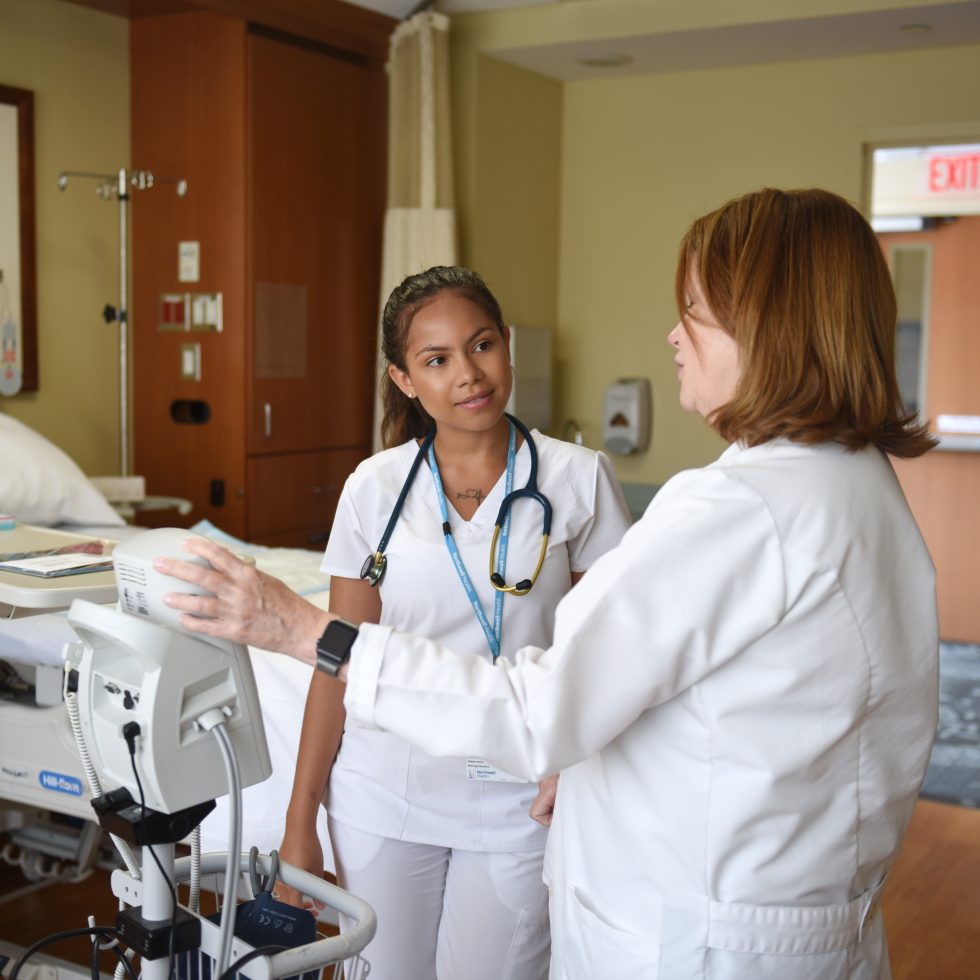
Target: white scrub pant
447,914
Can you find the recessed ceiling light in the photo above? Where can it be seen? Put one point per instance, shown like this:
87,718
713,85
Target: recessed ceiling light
915,29
604,60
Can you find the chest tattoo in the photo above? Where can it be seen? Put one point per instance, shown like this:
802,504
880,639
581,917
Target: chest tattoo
474,494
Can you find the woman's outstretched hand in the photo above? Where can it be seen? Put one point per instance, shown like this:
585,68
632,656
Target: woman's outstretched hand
301,851
543,806
245,606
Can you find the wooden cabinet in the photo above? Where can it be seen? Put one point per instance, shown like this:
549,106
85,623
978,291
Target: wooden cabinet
292,493
282,142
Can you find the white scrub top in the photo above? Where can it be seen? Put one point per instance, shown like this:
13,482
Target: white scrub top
742,699
380,783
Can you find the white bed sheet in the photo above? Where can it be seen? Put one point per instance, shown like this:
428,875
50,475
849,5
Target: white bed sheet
282,684
39,764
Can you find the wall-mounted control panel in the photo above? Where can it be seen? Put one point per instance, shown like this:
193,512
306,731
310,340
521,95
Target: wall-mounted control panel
185,312
188,261
190,362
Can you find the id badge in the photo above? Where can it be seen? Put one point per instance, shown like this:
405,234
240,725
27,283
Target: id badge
481,769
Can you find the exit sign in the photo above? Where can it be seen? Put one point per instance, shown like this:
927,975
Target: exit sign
928,181
954,173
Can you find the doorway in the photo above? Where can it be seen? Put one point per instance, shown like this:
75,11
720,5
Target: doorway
926,210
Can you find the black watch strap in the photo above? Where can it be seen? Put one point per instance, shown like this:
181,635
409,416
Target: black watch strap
334,646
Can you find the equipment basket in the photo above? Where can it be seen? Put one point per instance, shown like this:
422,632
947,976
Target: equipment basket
328,958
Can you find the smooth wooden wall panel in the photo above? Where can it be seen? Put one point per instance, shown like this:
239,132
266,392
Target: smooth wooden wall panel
316,207
282,142
188,120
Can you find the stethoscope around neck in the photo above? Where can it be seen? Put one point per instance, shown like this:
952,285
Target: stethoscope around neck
374,566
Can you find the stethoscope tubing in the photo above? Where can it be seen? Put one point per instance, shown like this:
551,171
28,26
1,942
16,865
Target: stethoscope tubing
374,566
406,486
530,489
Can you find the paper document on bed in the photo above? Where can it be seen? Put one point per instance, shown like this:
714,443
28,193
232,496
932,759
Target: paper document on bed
73,559
53,566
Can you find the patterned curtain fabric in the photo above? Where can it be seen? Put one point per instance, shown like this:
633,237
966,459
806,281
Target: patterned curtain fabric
420,223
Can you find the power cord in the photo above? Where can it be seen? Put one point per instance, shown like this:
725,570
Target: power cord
124,965
131,731
70,692
97,931
248,957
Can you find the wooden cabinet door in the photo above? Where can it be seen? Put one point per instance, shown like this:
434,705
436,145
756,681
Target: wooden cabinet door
293,498
316,197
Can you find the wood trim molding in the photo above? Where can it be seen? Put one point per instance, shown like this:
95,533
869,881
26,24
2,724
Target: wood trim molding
330,22
137,8
23,100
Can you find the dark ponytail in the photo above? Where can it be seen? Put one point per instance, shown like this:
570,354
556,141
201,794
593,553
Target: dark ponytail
404,418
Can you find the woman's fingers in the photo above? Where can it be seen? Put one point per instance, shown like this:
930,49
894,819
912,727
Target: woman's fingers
240,604
219,556
543,806
283,893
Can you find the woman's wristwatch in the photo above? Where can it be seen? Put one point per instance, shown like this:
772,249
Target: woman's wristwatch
334,646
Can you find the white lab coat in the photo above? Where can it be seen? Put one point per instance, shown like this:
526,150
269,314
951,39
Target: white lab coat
742,698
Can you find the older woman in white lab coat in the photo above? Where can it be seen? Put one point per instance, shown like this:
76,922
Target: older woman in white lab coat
742,696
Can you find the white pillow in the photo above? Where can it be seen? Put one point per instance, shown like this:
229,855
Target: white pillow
40,484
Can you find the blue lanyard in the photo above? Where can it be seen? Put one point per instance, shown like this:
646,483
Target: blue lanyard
492,633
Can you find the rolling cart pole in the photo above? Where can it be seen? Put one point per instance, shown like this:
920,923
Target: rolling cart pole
157,901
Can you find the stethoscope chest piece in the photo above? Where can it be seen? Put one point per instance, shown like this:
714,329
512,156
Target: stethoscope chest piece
373,569
374,566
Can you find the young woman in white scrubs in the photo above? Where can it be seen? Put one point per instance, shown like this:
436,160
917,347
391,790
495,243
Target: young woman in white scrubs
741,697
444,848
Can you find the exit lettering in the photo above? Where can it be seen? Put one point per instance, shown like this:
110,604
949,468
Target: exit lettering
954,173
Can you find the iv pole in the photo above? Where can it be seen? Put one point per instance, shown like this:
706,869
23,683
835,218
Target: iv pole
109,187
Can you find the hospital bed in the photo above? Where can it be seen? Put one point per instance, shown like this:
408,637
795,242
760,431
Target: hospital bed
40,771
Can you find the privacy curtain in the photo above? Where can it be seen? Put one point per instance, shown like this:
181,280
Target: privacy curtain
420,224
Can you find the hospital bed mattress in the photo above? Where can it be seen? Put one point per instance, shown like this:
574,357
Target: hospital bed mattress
39,762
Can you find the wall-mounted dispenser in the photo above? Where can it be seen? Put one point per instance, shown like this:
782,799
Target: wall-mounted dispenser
626,416
530,398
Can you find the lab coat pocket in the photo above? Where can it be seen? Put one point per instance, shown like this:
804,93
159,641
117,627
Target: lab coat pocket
724,965
588,946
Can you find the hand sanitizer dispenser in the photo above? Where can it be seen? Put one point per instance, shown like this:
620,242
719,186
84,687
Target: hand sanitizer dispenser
626,416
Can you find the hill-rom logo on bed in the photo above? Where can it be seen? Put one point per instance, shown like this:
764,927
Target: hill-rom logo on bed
60,783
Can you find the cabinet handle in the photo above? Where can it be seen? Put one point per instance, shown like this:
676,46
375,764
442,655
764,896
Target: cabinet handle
327,488
268,419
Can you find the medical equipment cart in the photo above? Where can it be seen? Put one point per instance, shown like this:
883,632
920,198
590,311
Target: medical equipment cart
330,958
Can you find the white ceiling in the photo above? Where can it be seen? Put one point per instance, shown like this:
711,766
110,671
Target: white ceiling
887,28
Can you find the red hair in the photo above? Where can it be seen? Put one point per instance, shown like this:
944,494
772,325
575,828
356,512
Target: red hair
799,281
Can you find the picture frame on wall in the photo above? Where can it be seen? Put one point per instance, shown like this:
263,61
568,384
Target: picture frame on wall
18,275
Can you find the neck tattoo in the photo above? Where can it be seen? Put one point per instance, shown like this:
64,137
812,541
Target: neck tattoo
476,495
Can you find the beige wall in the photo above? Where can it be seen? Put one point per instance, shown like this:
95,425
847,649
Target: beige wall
640,157
507,146
643,156
76,62
516,178
571,196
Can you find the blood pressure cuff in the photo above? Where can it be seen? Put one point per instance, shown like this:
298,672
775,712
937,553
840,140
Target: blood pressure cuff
261,921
